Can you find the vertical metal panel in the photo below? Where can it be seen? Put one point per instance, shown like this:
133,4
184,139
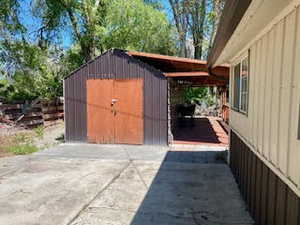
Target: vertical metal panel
285,90
115,64
293,208
271,126
271,201
258,181
264,192
253,184
268,97
294,139
280,215
272,198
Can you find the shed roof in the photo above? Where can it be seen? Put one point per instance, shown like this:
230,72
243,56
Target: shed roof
178,67
185,66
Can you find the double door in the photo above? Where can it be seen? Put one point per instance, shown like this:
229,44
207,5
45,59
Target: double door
115,111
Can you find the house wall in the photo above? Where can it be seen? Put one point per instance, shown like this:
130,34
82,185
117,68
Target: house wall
116,64
270,129
269,199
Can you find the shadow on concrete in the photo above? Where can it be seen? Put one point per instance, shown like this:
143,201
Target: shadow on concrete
192,188
195,130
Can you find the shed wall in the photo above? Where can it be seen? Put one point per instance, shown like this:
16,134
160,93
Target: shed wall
115,64
271,126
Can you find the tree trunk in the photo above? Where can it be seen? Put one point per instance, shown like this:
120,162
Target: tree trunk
198,51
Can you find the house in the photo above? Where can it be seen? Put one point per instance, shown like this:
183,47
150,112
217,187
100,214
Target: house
261,42
123,97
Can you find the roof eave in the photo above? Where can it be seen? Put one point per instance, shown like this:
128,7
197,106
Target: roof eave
233,12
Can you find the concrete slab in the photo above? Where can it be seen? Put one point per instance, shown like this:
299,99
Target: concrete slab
82,184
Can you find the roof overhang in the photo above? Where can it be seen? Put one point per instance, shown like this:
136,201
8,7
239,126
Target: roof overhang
185,69
172,66
242,21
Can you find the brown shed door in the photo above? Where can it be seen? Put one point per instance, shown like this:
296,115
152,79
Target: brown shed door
115,111
129,111
100,119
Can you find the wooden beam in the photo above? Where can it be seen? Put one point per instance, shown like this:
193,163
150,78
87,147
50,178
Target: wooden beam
166,57
187,74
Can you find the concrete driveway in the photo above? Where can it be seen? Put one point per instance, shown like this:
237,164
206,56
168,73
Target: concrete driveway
83,184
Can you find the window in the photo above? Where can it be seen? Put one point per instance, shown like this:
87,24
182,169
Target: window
241,86
236,86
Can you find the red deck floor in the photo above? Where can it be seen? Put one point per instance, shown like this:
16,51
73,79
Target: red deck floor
200,131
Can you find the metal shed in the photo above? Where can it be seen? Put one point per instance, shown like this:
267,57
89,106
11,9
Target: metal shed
121,97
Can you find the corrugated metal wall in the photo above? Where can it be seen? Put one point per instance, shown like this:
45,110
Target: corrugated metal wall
271,127
269,199
115,64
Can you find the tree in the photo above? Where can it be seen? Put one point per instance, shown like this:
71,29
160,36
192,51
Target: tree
134,25
198,19
197,11
85,19
181,18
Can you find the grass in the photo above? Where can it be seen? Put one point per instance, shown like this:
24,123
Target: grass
21,144
22,149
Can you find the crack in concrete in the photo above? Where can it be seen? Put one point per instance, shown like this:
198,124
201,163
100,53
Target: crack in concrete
136,169
99,193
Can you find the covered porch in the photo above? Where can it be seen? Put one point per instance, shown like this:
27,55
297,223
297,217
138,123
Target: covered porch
189,124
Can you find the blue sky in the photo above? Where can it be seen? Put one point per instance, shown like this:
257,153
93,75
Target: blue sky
33,24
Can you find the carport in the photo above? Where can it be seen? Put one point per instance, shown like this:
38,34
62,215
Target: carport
123,97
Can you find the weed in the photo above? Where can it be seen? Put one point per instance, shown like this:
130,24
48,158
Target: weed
39,131
22,149
20,138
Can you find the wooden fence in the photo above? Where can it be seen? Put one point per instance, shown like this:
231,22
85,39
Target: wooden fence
32,113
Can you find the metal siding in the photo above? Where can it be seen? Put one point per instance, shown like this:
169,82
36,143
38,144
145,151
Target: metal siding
270,200
115,64
271,126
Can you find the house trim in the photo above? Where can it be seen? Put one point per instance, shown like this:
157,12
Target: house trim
286,11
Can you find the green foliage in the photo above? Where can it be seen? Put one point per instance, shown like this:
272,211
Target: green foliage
194,94
37,72
39,131
22,138
22,149
134,25
31,69
22,144
197,95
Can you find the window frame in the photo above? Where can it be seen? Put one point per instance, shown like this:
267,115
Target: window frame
299,123
240,63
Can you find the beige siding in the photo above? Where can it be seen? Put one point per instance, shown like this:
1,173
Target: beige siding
271,126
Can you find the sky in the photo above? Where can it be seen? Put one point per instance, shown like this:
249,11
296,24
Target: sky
33,24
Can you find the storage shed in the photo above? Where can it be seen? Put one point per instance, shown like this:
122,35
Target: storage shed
121,97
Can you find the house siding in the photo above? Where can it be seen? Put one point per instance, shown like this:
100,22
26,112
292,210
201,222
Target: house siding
116,64
270,128
270,200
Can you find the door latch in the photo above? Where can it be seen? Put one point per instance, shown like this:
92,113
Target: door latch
113,101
